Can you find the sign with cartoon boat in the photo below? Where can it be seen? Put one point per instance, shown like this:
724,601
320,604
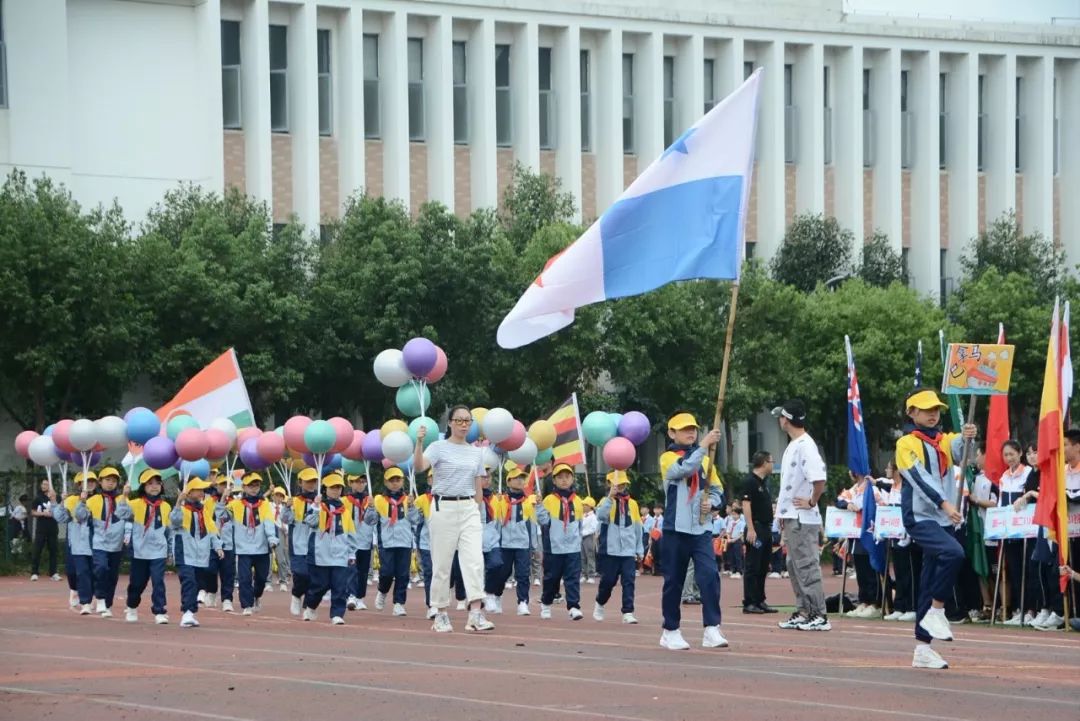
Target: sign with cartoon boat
981,369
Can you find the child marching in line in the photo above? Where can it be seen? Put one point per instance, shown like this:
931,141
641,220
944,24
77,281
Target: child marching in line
254,537
280,499
393,517
359,500
217,500
559,517
111,515
195,536
149,541
78,561
423,544
490,514
335,550
620,546
300,536
517,517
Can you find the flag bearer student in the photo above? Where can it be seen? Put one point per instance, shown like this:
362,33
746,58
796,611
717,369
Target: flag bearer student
559,517
393,517
300,536
491,514
110,515
217,499
689,482
149,539
335,549
925,457
254,537
78,560
195,537
280,498
620,546
516,517
359,500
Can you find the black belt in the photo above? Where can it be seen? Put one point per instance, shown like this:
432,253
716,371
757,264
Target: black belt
455,498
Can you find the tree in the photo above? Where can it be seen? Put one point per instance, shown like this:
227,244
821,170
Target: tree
815,250
532,201
881,265
1004,246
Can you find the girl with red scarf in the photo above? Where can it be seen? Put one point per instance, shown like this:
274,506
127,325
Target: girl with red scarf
149,541
254,536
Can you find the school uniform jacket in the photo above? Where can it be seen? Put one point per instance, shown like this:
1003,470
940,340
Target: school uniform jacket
517,517
254,532
423,528
300,534
109,514
688,474
620,527
489,517
393,519
223,520
365,534
335,532
925,461
150,529
196,534
79,528
559,518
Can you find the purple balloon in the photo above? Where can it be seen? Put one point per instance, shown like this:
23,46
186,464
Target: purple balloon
159,453
420,356
249,455
635,427
309,460
373,446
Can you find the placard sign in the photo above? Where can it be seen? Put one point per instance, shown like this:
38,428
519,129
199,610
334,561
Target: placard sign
1074,521
980,369
1009,524
841,523
889,523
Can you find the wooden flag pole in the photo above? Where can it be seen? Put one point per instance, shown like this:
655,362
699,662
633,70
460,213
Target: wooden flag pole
721,392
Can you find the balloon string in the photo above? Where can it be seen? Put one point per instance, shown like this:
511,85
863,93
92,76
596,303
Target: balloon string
319,458
64,475
500,478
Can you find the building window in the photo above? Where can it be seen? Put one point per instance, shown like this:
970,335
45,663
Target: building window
371,86
943,114
868,121
279,89
906,124
461,94
586,125
503,121
230,74
547,101
628,103
1019,86
416,89
982,121
1057,132
326,88
669,100
3,62
827,119
791,125
710,84
747,68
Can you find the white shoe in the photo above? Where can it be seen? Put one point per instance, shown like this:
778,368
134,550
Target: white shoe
188,620
337,621
477,622
161,619
598,612
774,574
268,588
785,574
576,614
211,600
107,613
523,609
935,624
582,579
1053,622
1016,620
461,605
796,620
926,657
258,605
399,609
545,611
55,577
226,606
309,614
294,606
907,617
894,616
1041,618
736,575
673,640
131,615
350,604
725,573
857,611
536,582
629,618
283,587
817,623
442,623
100,606
380,601
248,612
73,599
590,579
33,576
489,603
201,599
431,613
360,605
1029,618
870,612
713,638
498,605
85,610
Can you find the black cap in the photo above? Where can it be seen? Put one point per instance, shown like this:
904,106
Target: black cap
793,410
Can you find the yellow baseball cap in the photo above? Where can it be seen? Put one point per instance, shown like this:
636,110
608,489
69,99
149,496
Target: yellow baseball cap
108,471
252,478
308,474
516,473
617,478
925,401
332,479
681,420
91,476
560,467
588,501
279,491
148,475
392,473
353,477
196,484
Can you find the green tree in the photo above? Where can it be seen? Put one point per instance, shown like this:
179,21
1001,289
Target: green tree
815,250
881,265
532,201
1004,246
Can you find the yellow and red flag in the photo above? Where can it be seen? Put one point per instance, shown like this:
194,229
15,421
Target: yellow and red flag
1051,509
568,446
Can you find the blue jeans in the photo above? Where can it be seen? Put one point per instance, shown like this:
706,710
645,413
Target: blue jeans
251,590
565,567
516,561
334,579
144,570
106,574
617,568
394,570
678,550
942,557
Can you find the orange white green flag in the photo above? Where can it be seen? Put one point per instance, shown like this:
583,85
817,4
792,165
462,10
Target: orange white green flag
217,391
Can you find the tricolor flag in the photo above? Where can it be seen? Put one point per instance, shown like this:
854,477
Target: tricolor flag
568,446
217,391
1051,509
683,218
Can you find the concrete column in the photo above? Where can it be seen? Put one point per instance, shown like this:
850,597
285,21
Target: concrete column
847,133
924,258
809,91
729,68
209,31
394,87
885,112
525,96
480,58
962,157
350,115
770,146
439,103
566,79
999,135
255,100
303,75
1069,162
689,82
649,99
608,104
1037,145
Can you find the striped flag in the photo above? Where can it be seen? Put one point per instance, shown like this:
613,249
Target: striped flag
1051,509
217,391
568,447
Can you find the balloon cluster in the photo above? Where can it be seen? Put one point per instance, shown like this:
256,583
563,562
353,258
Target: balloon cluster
72,442
618,434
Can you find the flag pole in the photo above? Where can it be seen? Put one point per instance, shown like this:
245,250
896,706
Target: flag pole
722,391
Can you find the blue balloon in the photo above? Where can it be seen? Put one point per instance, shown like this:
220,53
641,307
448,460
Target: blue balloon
474,432
49,430
142,425
332,462
195,469
406,466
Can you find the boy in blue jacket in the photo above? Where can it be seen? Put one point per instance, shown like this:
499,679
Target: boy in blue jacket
620,546
335,547
300,536
254,536
393,517
111,517
217,499
149,541
359,500
79,559
559,517
196,537
517,521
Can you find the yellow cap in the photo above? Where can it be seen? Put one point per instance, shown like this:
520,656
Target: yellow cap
332,479
91,476
617,478
222,479
108,471
147,475
681,420
308,474
516,473
353,477
925,400
196,484
393,472
252,478
588,501
279,491
560,467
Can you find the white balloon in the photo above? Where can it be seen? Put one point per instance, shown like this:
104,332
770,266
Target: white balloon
111,432
498,425
82,434
397,446
226,426
490,458
525,454
42,451
390,368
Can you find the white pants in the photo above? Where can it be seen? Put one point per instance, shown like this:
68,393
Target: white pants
455,526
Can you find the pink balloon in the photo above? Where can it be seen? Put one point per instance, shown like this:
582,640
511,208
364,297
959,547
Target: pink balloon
294,433
387,463
219,444
619,453
343,434
517,437
192,444
247,434
60,435
355,449
439,370
22,443
271,447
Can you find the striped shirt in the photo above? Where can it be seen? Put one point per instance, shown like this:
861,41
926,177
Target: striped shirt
456,467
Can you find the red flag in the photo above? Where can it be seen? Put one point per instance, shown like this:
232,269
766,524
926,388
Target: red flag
1051,509
997,429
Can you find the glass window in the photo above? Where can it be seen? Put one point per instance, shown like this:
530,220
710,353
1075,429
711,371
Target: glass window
903,91
669,100
628,103
547,101
866,89
1019,95
789,91
416,88
586,135
279,90
747,68
461,95
982,122
503,121
943,114
710,84
230,74
326,124
372,127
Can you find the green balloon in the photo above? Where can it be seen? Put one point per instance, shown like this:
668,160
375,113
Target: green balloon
179,424
354,468
319,437
408,399
544,456
432,429
599,428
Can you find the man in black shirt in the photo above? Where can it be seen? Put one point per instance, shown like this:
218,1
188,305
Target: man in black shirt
46,532
758,511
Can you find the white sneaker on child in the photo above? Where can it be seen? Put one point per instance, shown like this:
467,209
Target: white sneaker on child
545,611
894,616
926,657
399,609
1041,618
498,605
477,622
350,604
161,619
73,599
210,600
576,614
85,610
294,606
629,618
1016,620
1053,622
188,620
200,599
309,614
380,601
131,615
713,638
248,612
907,617
107,613
337,621
33,576
100,607
360,605
536,581
523,609
598,612
226,606
935,624
55,577
283,587
673,640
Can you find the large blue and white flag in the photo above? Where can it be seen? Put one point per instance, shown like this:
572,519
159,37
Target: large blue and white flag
683,218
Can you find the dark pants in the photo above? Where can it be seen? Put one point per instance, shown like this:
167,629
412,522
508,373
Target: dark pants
735,556
334,579
942,557
145,570
617,568
82,572
867,580
966,594
492,574
394,571
778,563
252,571
426,572
679,550
457,581
189,587
45,535
565,567
1022,573
907,565
219,568
106,574
358,573
757,567
516,562
301,581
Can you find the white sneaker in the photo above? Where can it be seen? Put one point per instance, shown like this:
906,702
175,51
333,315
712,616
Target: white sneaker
713,638
188,620
498,605
309,614
582,579
774,574
294,606
545,611
935,624
55,577
598,612
201,599
1016,620
857,611
33,576
460,605
337,621
431,613
576,614
380,601
1053,622
350,604
283,587
870,612
1029,618
629,618
100,607
211,600
489,603
908,617
360,605
248,612
268,588
894,616
590,579
536,582
796,620
817,623
523,609
107,613
258,605
226,606
673,640
161,619
73,599
785,574
85,610
736,575
477,622
131,615
1041,618
442,623
399,609
926,657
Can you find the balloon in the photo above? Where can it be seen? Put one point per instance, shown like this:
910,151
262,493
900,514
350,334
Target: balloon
218,444
93,458
474,432
191,444
249,455
294,433
354,468
271,447
60,435
478,415
432,430
373,446
319,437
408,399
599,428
619,453
23,441
617,419
524,454
393,425
226,426
397,446
179,423
42,451
635,427
332,462
543,434
81,435
436,374
420,356
142,425
489,457
343,434
111,432
544,456
159,453
498,425
390,368
246,434
517,437
355,450
199,468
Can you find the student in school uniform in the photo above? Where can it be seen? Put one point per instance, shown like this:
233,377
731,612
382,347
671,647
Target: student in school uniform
110,514
359,500
490,513
620,546
393,517
195,539
300,536
149,541
254,537
279,497
906,556
1019,570
517,520
734,528
422,530
331,518
590,530
559,518
224,570
79,559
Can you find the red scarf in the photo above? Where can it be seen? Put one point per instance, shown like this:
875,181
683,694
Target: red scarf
934,443
512,502
488,508
199,526
394,508
109,506
620,514
332,512
695,479
151,513
251,515
566,508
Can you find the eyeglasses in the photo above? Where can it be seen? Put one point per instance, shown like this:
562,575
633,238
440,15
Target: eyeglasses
461,421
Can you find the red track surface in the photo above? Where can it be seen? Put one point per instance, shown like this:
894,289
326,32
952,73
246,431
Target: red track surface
56,664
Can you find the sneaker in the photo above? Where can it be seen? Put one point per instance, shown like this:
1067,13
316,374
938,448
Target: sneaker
360,605
131,615
713,638
294,606
974,616
817,623
774,574
498,605
1053,622
870,612
926,657
337,621
894,616
629,618
590,579
100,606
1039,620
33,576
268,588
908,617
161,619
73,599
201,599
248,612
857,611
477,622
559,599
982,616
598,612
935,624
55,577
85,610
536,582
107,613
785,574
283,587
188,620
309,614
258,605
460,605
523,609
211,600
545,611
673,640
796,620
431,613
380,601
442,623
399,609
576,614
226,606
582,579
1029,618
736,575
489,603
1016,620
350,603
